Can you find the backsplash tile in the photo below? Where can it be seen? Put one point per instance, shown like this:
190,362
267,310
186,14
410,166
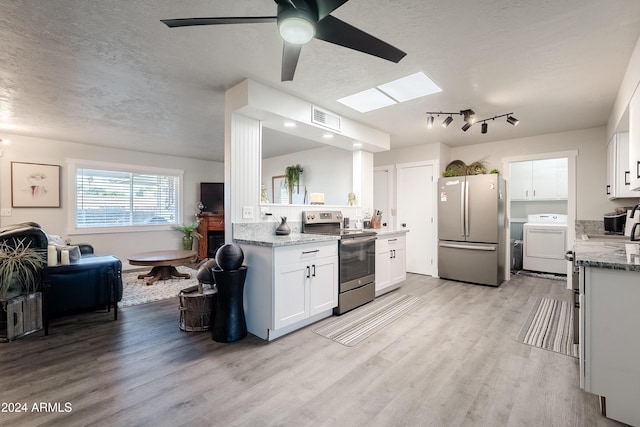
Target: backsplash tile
592,227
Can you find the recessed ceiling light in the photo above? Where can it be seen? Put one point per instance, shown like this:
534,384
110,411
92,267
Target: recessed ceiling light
289,124
410,87
367,100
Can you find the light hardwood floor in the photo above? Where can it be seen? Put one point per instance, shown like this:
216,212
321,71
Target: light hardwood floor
452,361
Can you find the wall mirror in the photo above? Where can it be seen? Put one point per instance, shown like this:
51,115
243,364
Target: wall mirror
326,169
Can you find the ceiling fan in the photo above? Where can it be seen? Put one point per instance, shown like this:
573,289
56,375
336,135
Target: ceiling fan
301,20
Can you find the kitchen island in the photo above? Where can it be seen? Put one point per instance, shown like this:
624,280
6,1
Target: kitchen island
609,321
292,280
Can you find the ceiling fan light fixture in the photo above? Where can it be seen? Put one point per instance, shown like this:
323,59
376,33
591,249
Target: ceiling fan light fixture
512,120
296,27
446,122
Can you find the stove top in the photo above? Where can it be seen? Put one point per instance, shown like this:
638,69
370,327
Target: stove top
330,223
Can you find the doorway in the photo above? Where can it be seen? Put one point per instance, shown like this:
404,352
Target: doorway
569,191
416,211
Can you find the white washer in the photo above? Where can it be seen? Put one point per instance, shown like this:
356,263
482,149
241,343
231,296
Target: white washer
545,243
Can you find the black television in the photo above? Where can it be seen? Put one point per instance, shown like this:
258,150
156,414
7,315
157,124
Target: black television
212,197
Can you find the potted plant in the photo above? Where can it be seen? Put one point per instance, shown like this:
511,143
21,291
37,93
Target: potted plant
189,231
20,277
20,269
292,174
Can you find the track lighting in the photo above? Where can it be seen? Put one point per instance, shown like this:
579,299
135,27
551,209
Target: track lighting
469,117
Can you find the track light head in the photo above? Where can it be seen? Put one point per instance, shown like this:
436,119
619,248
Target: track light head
512,120
485,126
466,126
446,122
468,115
430,122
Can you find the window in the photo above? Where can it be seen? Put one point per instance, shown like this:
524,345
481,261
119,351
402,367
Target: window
109,197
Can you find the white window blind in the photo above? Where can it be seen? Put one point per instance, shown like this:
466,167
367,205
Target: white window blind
107,198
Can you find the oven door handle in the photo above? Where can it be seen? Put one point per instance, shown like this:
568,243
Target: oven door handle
356,240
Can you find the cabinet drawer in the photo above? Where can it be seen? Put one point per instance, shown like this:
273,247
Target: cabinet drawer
391,242
296,253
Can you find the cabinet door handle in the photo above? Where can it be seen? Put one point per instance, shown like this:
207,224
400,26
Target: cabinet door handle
608,190
308,272
314,270
310,252
626,177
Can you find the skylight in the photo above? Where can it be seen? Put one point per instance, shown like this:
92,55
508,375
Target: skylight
404,89
410,87
368,100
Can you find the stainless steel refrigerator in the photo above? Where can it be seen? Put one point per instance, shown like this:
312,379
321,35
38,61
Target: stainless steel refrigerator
471,229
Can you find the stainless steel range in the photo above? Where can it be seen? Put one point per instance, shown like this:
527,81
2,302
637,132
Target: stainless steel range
357,252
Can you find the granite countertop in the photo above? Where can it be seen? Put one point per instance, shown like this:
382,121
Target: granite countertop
388,231
609,252
273,240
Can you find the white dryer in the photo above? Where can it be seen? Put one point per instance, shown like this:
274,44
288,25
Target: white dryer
545,243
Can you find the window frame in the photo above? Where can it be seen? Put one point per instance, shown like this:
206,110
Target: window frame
74,164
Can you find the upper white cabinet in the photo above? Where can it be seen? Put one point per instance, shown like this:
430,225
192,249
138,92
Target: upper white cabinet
618,173
634,141
545,179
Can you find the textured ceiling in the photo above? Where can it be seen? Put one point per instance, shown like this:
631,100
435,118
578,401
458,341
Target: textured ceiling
110,73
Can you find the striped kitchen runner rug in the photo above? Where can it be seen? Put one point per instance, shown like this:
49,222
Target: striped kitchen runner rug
550,326
355,326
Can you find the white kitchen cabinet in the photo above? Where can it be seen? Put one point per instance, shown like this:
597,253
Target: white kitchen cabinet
618,173
391,262
634,141
289,287
609,339
545,179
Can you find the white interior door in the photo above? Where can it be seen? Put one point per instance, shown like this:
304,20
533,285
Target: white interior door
416,211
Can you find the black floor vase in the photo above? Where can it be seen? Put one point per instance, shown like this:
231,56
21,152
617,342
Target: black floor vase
229,323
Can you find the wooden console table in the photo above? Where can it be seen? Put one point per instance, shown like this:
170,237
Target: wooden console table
208,222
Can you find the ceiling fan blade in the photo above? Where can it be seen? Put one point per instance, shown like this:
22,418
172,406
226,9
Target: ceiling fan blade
190,22
335,31
325,7
290,54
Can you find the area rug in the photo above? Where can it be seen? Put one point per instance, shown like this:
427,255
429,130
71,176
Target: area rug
136,291
359,324
550,326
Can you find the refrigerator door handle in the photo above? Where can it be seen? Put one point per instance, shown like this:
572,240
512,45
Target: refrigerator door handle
466,209
462,226
471,247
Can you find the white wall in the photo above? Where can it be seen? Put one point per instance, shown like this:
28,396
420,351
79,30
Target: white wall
591,145
325,170
55,220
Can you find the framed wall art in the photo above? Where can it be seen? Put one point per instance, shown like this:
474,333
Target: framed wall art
35,185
